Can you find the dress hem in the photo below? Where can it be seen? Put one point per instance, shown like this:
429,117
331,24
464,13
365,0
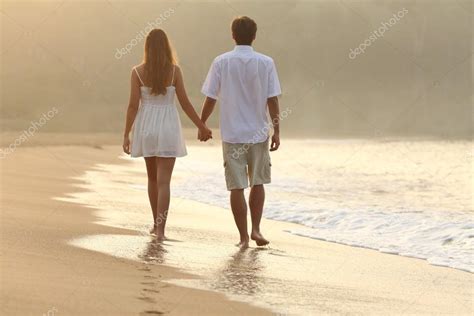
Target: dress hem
159,156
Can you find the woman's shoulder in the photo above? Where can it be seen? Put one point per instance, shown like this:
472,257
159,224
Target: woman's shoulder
139,67
176,72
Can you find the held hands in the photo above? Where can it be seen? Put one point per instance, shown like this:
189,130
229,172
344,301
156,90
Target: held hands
275,142
204,134
126,145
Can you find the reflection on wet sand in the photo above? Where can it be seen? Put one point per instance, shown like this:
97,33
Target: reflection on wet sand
155,252
242,274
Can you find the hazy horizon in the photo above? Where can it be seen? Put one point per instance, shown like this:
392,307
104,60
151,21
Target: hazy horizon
415,80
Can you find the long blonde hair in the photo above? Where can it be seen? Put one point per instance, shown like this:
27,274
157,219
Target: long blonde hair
159,60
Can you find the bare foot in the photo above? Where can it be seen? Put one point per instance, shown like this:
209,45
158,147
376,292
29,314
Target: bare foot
243,244
257,236
155,231
152,231
160,238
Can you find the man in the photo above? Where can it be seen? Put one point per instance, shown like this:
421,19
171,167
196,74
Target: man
245,82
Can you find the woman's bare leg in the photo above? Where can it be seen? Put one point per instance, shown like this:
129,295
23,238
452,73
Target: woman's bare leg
151,170
165,170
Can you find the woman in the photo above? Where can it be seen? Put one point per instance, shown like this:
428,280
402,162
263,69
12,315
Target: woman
157,134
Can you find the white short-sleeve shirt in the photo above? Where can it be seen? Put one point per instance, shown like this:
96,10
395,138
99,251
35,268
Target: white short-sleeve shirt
243,80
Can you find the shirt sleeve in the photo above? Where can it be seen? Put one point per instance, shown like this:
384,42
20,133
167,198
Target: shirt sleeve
212,84
274,88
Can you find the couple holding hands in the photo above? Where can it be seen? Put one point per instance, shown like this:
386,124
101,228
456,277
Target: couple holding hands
246,84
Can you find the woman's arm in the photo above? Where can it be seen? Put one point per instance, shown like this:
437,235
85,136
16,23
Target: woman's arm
207,108
188,108
131,110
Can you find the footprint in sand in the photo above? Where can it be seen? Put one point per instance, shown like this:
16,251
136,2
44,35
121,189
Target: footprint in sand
146,299
151,290
150,283
151,313
145,269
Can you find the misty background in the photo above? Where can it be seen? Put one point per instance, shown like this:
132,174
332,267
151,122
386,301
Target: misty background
416,80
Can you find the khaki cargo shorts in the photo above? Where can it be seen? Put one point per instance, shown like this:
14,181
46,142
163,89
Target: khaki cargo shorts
246,161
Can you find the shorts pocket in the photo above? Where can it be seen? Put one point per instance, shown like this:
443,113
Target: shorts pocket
267,170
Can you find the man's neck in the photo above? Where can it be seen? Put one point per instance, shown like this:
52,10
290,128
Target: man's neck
243,48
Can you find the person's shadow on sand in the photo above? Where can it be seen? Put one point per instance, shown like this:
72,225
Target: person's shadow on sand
241,274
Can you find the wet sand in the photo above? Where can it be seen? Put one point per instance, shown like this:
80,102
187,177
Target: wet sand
42,274
56,257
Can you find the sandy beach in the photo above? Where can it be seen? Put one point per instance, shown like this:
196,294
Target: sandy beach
43,275
370,207
59,257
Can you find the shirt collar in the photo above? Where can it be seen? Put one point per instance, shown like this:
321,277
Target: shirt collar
243,48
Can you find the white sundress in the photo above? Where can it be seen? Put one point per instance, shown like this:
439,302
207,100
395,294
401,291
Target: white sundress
157,128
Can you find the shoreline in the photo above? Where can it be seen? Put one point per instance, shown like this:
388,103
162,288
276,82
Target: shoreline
348,279
207,250
100,139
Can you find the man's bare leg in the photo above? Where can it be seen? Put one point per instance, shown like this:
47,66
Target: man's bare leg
256,201
239,209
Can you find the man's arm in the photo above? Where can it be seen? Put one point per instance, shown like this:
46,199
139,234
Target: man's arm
207,108
274,110
210,89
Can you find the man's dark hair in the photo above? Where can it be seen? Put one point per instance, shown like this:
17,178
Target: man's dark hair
244,30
